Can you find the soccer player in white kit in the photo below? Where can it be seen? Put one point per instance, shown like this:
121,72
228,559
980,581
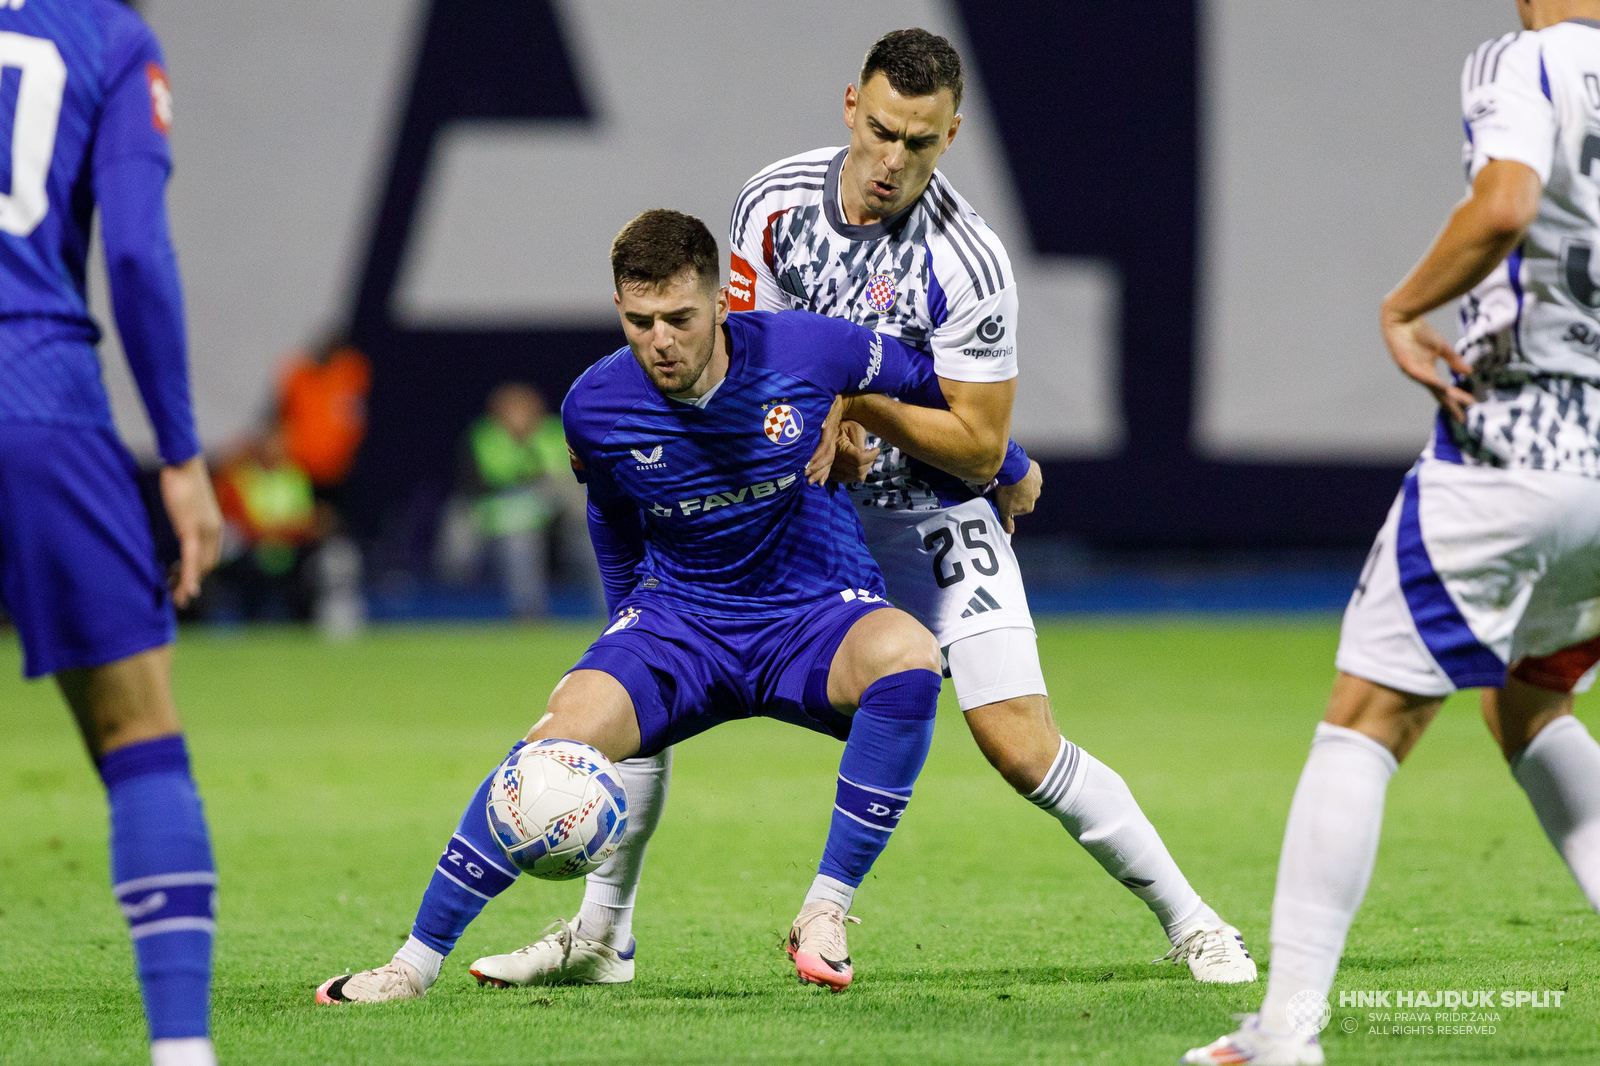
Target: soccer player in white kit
1487,572
874,234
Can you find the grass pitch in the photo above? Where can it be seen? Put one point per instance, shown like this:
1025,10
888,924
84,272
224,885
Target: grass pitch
334,774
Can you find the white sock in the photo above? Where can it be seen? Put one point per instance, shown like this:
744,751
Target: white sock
831,889
608,894
422,958
1560,772
187,1051
1093,802
1329,848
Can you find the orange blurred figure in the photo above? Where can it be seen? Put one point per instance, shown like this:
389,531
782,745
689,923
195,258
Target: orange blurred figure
322,405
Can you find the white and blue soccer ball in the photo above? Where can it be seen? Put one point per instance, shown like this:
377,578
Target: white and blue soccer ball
558,809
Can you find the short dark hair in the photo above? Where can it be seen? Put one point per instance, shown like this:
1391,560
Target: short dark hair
658,245
916,62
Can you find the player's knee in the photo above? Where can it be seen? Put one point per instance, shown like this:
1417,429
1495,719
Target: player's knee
1019,738
123,702
905,645
593,707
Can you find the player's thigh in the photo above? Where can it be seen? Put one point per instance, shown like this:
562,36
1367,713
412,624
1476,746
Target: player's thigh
994,666
78,569
953,570
677,671
1000,688
593,708
877,645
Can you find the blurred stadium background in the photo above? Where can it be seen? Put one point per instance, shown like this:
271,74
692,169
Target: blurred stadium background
1204,200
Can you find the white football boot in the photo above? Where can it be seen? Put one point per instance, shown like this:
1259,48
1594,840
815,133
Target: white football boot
1254,1046
1215,956
397,980
560,957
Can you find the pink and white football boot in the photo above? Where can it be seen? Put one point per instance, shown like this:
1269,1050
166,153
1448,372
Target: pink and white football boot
818,947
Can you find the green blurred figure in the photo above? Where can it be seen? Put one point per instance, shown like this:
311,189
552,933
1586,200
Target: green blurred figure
509,494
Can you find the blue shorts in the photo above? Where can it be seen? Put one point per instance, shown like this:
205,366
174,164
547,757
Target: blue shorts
686,672
78,569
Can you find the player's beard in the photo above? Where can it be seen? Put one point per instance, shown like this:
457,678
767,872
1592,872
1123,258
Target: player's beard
689,377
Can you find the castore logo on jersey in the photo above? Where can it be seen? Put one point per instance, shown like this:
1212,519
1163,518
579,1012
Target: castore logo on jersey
650,459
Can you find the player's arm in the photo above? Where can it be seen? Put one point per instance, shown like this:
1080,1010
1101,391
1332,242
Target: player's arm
616,528
131,164
1482,230
1510,123
617,533
751,286
969,438
851,359
975,358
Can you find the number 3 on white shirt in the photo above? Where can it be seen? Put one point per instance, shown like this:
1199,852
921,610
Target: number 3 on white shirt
33,129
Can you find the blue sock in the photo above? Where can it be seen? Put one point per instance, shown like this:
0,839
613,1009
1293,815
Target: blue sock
888,744
164,880
472,871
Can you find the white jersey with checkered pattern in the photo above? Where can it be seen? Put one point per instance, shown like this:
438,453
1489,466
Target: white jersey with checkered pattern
1531,330
935,276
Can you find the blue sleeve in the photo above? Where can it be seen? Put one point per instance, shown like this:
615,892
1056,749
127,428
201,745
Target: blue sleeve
1016,465
618,538
131,163
845,357
616,528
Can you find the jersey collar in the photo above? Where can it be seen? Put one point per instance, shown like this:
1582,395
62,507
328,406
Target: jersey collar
830,208
1591,23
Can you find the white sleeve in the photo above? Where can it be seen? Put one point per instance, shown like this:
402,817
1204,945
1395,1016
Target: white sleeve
1506,106
978,342
751,286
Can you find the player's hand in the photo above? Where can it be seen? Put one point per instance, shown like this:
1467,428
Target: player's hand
196,519
1018,499
821,460
853,459
1417,347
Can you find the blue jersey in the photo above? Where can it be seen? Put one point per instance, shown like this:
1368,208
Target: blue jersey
84,112
707,505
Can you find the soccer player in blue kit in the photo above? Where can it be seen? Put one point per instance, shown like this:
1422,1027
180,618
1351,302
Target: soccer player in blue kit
736,585
84,111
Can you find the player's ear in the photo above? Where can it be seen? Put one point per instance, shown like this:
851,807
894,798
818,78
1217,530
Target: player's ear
850,99
722,304
950,138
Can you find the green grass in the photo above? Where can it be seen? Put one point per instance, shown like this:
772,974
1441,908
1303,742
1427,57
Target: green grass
333,775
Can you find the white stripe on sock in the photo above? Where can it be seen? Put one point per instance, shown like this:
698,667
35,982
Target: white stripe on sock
458,881
140,884
173,925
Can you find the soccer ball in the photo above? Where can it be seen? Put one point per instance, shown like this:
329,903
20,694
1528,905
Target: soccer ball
558,809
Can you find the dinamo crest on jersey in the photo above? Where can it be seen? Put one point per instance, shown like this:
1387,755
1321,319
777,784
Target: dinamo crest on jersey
625,620
783,424
881,293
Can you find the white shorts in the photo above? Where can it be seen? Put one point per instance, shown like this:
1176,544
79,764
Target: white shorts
954,571
1478,569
